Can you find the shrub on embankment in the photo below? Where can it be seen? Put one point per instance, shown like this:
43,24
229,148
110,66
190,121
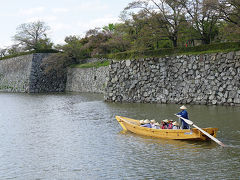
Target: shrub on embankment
202,49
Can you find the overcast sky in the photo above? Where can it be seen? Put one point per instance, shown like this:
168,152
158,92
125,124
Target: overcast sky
65,17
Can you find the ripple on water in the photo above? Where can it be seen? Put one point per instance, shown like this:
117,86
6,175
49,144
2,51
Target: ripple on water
76,136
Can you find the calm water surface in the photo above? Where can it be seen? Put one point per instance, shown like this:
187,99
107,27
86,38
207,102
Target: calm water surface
75,136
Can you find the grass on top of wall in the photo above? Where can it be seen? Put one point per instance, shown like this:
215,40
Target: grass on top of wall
91,65
30,52
16,55
202,49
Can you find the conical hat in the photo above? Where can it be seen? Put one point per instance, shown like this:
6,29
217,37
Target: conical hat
146,121
153,121
141,121
157,124
183,107
175,124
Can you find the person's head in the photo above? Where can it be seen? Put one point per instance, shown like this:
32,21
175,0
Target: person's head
141,122
153,121
170,121
165,121
157,124
146,121
175,124
183,107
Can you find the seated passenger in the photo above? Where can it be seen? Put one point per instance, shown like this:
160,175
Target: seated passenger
147,124
175,125
164,124
152,122
170,125
156,126
141,122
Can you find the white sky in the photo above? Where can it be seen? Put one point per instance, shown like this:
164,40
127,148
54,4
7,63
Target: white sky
65,17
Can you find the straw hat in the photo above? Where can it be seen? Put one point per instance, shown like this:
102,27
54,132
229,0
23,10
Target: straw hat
183,107
175,124
146,121
153,121
165,120
141,121
157,124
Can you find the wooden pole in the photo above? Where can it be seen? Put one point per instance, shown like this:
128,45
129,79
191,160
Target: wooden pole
204,132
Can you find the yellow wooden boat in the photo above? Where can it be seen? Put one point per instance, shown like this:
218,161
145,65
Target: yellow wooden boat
133,125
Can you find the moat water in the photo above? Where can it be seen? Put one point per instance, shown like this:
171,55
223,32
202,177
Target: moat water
76,136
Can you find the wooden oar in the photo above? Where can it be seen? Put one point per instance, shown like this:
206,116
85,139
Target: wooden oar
204,132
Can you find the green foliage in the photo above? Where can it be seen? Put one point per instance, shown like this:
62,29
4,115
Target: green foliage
90,65
110,27
43,44
228,32
74,48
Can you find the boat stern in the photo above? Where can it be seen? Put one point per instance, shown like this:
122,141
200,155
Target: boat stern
211,131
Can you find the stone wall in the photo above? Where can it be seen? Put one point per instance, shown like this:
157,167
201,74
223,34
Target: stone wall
14,74
25,74
42,82
197,79
87,79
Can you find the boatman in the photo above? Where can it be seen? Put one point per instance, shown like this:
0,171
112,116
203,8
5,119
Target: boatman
183,114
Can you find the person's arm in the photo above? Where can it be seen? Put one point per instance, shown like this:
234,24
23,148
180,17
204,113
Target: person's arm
180,113
184,114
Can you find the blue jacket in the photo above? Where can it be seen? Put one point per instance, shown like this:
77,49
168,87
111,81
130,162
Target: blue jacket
184,114
147,125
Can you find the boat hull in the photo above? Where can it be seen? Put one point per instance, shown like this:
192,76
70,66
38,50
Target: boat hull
133,125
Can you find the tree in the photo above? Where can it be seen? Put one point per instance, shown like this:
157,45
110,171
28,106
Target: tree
204,17
228,32
231,11
168,14
33,36
110,28
96,39
74,48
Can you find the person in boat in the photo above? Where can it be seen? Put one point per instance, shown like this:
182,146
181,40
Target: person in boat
156,125
164,124
183,114
170,125
146,124
175,125
141,122
152,122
